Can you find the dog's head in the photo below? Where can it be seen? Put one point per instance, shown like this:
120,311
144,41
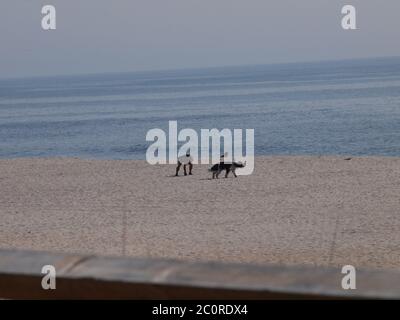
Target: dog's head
239,164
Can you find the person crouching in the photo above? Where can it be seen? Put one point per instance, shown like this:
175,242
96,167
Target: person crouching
186,160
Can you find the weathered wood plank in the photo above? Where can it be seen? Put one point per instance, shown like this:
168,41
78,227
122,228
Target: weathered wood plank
88,277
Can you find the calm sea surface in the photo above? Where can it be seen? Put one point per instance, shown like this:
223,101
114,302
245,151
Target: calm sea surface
348,107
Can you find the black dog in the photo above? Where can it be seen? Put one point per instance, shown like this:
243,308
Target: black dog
216,169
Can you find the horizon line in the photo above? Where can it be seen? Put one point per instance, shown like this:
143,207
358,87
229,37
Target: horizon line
149,71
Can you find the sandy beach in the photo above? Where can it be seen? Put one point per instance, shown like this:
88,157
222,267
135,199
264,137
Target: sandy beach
293,210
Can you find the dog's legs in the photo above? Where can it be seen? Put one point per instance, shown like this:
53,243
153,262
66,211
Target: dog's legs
234,173
218,173
177,168
227,172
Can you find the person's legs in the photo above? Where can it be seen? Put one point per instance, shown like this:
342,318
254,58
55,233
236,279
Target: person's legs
190,168
177,168
184,169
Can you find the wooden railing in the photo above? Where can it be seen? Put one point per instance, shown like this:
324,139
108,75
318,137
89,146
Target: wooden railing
93,277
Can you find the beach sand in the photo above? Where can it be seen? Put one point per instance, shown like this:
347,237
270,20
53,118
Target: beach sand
293,210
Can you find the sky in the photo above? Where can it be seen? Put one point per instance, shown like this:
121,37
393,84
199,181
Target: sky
98,36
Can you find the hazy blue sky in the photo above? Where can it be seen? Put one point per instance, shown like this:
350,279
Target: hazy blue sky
130,35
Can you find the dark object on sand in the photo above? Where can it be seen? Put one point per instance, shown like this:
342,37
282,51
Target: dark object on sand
216,169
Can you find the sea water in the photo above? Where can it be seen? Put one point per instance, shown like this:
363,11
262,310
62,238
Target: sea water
325,108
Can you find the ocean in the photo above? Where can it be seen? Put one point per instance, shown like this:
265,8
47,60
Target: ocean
347,107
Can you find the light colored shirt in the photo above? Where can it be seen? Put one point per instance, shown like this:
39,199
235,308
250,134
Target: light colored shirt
185,159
